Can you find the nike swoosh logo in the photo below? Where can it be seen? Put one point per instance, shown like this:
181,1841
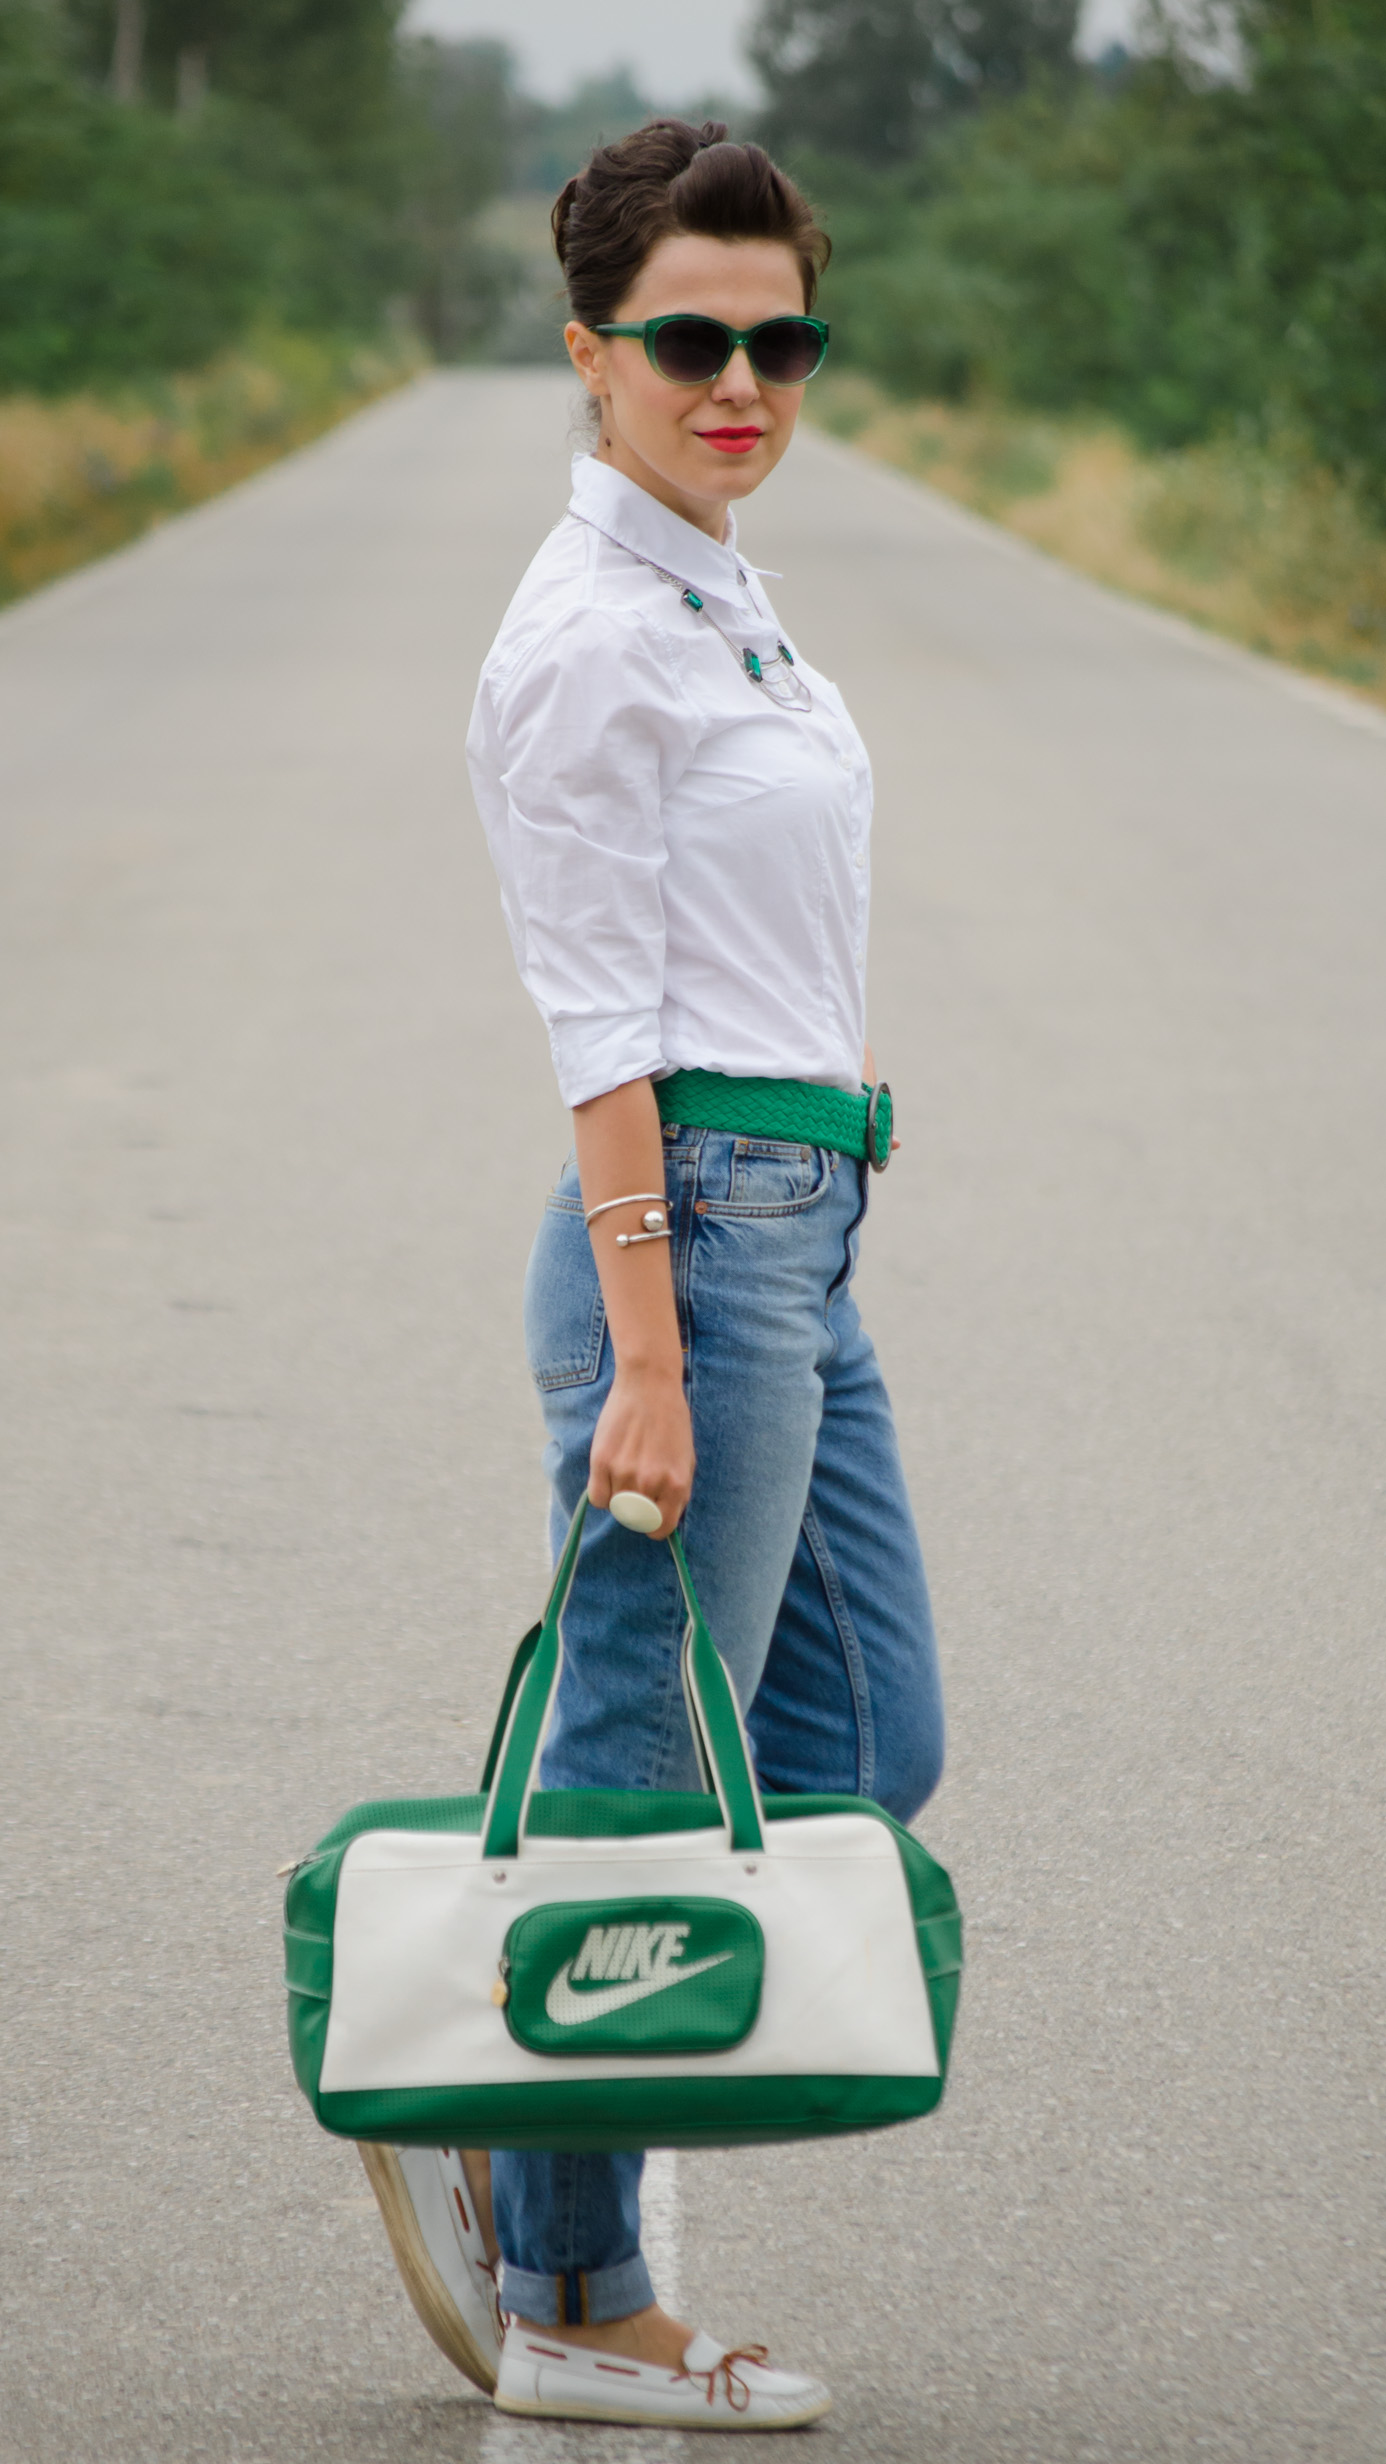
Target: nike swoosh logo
568,2009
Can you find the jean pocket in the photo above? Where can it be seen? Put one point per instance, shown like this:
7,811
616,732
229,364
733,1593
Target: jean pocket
565,1316
769,1176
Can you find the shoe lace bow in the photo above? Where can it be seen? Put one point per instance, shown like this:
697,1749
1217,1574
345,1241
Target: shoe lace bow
734,2388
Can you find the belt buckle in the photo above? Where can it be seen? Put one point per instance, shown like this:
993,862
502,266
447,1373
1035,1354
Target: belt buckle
882,1087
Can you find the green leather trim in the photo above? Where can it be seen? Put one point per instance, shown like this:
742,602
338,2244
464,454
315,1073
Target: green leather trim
792,1109
524,1653
715,1706
554,1813
630,2113
531,1694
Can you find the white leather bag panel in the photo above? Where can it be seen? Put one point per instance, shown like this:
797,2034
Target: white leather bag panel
421,1923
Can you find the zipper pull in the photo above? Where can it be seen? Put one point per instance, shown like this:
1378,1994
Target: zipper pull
500,1991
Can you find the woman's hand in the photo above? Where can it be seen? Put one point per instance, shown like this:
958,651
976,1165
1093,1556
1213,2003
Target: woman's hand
644,1441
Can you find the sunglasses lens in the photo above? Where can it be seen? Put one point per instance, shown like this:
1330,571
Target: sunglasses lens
690,350
787,350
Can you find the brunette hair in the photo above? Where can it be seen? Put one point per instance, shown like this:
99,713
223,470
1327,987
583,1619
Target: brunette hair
669,177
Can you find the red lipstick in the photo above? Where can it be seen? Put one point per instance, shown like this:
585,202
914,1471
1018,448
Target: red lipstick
731,440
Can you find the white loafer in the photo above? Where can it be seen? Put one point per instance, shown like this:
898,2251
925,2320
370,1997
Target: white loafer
718,2388
429,2213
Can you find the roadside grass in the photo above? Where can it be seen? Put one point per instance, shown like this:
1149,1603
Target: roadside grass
82,474
1253,542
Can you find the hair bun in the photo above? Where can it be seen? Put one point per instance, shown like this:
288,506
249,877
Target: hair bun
663,179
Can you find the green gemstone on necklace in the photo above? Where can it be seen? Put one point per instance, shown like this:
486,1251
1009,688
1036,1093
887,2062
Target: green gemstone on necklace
691,599
751,664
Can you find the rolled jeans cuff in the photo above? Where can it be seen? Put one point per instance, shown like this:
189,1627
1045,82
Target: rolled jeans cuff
580,2297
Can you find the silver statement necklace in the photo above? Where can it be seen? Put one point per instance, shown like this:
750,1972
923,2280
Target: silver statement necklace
775,678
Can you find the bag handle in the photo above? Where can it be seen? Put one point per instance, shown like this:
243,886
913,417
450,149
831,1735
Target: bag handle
527,1706
524,1653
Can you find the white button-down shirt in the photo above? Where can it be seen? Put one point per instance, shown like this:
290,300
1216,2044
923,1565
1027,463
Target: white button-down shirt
683,864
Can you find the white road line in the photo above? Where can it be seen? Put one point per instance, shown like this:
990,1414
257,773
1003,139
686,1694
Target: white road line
660,2225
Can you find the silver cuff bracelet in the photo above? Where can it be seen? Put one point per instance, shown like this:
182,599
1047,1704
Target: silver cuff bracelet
637,1197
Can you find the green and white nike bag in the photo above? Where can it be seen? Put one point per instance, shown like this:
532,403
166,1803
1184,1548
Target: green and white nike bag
619,1968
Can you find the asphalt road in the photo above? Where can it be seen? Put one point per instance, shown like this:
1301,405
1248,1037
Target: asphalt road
278,1123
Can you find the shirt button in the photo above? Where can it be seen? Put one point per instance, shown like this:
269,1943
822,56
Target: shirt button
859,859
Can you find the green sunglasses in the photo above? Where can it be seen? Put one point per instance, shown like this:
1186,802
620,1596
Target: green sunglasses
690,350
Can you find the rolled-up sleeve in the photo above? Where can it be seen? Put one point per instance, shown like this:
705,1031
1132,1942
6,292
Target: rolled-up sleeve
573,750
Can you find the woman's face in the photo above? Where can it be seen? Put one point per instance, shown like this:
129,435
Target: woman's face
696,447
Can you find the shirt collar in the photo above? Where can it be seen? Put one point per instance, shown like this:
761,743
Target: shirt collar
636,520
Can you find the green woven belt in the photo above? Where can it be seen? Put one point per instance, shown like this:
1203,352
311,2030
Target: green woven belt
788,1108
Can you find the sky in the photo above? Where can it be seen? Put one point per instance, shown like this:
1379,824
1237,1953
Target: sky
675,51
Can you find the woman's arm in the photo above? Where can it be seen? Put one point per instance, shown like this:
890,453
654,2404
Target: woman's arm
644,1438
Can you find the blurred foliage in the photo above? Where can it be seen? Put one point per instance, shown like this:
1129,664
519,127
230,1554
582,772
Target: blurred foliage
129,243
1192,244
555,139
326,67
1194,255
1251,540
83,475
314,173
873,79
458,103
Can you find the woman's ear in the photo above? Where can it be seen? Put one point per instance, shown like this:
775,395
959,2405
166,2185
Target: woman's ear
587,351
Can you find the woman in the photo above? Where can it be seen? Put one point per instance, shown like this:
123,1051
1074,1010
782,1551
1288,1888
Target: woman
678,807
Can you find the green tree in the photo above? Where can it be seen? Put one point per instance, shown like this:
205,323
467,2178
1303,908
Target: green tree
460,111
110,240
870,79
1310,163
327,67
1191,256
555,139
313,171
133,242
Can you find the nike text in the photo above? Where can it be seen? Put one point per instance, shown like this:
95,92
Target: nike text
614,1951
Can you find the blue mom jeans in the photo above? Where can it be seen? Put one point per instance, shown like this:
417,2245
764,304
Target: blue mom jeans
802,1548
